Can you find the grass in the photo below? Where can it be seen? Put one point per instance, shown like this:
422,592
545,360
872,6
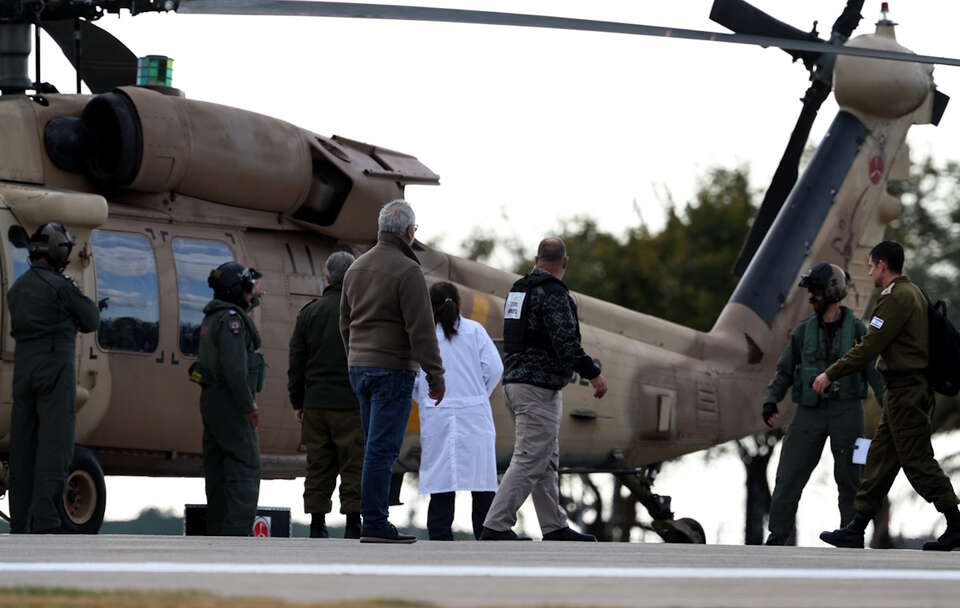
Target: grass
58,597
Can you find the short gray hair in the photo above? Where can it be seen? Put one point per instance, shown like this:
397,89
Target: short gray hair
336,266
396,216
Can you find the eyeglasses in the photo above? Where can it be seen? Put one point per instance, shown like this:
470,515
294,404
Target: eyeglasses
415,226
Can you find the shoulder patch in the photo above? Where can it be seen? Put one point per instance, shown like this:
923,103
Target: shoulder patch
235,327
876,322
232,312
888,290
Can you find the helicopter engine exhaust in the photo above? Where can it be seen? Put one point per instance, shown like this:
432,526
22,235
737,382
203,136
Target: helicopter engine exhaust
144,141
140,140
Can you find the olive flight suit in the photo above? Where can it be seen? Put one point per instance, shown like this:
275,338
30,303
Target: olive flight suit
899,333
838,415
46,311
319,384
231,371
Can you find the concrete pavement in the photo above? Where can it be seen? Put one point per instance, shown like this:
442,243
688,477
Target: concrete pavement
487,574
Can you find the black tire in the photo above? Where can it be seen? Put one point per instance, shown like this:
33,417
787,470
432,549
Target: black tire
697,528
84,494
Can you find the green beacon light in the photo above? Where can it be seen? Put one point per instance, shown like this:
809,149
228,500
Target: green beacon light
154,71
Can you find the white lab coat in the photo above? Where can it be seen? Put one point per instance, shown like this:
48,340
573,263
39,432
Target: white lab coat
457,438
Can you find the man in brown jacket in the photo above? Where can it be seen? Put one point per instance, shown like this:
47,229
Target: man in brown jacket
387,326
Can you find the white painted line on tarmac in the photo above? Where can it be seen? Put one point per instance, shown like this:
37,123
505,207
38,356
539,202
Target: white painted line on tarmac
481,571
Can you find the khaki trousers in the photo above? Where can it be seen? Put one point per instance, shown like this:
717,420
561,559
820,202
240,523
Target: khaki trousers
334,443
902,441
535,463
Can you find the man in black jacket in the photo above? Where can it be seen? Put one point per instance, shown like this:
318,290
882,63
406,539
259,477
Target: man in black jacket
321,395
541,341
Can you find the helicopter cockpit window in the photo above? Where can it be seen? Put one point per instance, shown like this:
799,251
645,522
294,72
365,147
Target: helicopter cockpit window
194,260
127,291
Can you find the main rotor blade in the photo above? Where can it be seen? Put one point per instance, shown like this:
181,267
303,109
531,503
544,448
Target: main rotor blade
302,8
105,62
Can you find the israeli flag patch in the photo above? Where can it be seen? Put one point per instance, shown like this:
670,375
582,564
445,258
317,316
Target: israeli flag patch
514,305
876,322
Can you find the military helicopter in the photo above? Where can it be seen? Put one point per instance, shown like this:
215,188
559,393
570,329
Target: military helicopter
159,188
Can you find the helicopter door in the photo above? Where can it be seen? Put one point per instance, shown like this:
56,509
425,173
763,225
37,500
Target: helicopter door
13,263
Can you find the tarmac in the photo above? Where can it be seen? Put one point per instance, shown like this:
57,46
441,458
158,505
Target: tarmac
467,573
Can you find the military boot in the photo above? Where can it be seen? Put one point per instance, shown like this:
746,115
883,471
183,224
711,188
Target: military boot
849,536
318,526
353,526
950,539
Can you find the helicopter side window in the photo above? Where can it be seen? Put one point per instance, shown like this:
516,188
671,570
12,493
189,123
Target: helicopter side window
21,263
194,259
127,291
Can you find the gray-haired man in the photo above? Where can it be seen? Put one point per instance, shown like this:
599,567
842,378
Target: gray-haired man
387,326
321,395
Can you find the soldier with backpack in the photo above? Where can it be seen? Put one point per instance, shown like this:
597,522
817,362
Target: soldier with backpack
899,332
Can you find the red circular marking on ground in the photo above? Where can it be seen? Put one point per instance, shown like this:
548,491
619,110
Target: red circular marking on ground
876,169
260,529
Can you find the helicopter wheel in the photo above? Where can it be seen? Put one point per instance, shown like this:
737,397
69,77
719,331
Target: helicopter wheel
685,530
84,494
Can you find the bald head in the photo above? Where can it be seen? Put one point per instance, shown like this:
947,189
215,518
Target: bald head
552,256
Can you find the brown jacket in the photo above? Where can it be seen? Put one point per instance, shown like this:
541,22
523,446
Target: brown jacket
385,315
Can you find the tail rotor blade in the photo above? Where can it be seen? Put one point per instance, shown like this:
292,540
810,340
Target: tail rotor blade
785,177
744,18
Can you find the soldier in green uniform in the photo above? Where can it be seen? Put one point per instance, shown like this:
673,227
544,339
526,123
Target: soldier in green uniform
230,370
899,334
816,343
47,309
325,405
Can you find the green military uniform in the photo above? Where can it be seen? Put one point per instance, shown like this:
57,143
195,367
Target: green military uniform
231,372
899,334
46,310
319,385
838,415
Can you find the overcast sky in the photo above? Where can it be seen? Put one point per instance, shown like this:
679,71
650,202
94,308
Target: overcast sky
541,125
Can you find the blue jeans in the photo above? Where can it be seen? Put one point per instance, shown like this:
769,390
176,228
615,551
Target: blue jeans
385,396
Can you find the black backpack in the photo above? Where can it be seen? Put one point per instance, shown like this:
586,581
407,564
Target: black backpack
943,367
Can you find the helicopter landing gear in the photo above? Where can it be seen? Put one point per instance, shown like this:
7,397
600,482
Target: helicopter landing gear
84,494
671,530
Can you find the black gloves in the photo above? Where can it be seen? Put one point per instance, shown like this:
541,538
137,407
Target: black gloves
769,411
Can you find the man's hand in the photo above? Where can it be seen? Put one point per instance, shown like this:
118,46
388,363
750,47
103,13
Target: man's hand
770,414
821,383
599,386
253,417
437,394
298,414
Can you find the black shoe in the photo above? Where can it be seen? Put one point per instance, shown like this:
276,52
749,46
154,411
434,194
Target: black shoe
386,534
490,534
948,541
848,537
569,535
779,540
318,526
353,528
